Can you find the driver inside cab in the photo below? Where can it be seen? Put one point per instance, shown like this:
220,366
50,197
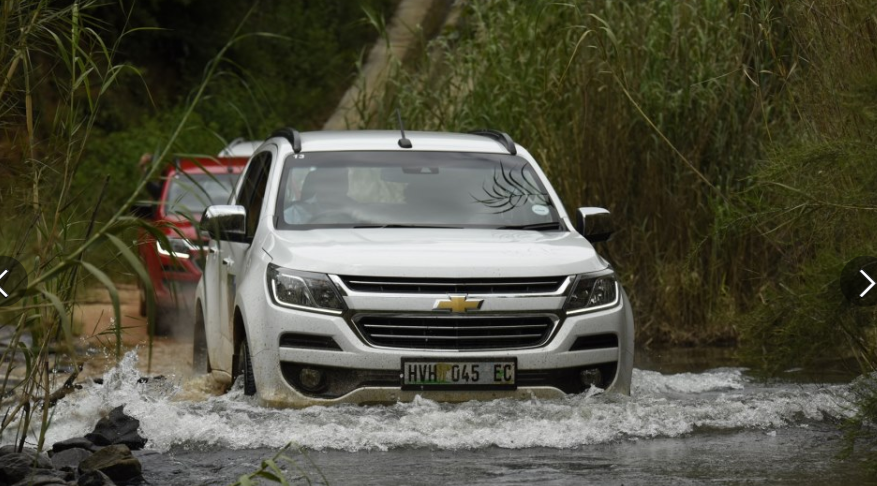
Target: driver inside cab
324,194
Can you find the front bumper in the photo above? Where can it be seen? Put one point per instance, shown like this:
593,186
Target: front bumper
542,370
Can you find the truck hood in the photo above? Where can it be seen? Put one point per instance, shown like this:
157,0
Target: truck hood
440,253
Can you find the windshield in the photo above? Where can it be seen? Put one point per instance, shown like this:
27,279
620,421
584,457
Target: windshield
433,189
190,194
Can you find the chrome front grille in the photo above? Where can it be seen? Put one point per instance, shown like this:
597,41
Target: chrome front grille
455,332
480,286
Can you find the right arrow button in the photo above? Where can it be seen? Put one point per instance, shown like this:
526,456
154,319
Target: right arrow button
857,283
871,286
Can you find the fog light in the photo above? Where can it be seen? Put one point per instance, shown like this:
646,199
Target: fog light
311,380
591,377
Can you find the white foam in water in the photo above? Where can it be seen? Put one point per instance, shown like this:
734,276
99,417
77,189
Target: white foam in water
662,406
652,382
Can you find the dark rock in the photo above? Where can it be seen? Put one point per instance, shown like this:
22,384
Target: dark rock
17,465
42,480
70,472
117,428
99,439
14,467
115,461
44,476
74,443
70,457
95,478
41,459
133,440
146,379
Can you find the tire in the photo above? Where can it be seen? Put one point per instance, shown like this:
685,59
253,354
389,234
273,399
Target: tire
200,358
163,321
245,368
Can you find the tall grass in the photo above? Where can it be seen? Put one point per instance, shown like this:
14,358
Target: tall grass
654,110
57,70
815,192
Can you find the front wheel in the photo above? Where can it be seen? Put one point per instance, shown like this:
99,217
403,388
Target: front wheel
245,368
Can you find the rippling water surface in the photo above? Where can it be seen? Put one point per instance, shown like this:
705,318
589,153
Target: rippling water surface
683,428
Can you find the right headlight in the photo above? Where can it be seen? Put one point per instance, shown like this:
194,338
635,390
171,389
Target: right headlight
591,293
304,290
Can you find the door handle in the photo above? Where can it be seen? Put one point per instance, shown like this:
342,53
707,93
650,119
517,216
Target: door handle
212,249
227,262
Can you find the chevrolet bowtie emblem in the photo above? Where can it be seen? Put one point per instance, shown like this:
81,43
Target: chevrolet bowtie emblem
458,303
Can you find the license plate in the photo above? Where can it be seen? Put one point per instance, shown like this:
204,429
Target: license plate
470,374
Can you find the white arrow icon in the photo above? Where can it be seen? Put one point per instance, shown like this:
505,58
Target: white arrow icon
860,271
5,296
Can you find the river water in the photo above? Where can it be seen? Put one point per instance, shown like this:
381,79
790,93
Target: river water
703,426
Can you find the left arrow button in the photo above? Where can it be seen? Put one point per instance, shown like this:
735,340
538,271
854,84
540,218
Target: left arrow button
13,280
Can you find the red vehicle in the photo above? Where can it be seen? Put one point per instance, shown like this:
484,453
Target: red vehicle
185,190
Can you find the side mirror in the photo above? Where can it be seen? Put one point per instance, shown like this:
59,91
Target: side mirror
142,210
226,223
595,224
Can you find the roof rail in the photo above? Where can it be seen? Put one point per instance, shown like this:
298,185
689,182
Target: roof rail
501,137
290,134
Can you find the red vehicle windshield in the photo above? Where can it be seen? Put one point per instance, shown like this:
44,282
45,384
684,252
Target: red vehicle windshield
188,195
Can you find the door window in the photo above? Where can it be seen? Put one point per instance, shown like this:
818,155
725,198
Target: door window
253,190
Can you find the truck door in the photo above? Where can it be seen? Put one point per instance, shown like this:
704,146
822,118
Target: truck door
234,255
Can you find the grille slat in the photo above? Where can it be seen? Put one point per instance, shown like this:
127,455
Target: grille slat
427,338
464,332
387,285
440,327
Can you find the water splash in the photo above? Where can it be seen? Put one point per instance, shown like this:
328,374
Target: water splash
662,406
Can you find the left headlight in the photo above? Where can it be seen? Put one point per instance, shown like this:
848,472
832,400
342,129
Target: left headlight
179,248
592,293
304,290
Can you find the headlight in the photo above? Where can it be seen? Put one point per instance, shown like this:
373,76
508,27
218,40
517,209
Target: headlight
304,290
179,248
592,293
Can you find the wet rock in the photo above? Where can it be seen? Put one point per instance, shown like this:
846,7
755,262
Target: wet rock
146,379
117,428
41,460
16,466
42,480
133,440
74,443
70,458
115,461
94,478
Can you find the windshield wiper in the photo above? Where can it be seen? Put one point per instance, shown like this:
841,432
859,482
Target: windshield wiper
446,226
535,226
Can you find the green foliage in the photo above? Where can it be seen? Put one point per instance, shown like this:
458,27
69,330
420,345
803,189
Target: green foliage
275,470
814,195
56,240
291,77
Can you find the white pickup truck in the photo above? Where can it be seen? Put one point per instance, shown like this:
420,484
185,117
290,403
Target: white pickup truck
365,267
